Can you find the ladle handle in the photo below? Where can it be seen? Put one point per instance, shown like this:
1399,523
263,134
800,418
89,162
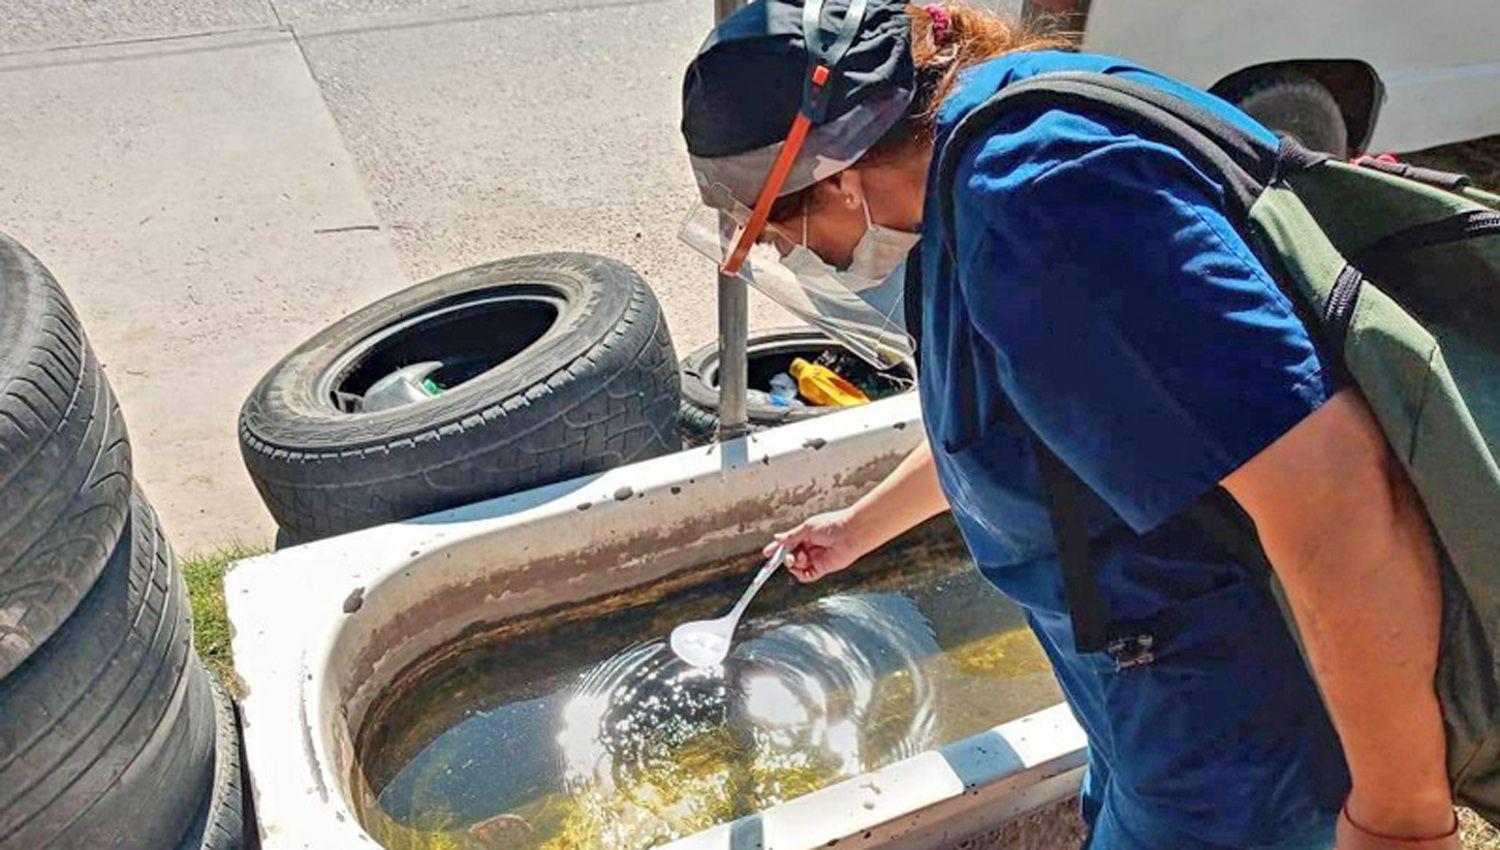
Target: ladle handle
760,579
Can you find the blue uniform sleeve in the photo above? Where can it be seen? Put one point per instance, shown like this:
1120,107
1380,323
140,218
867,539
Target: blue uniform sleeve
1135,331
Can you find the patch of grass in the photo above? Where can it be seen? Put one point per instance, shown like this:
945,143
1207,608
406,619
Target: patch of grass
204,574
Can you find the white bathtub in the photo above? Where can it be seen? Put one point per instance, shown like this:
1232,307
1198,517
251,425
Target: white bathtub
321,630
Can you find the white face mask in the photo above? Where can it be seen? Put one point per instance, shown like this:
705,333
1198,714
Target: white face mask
880,250
830,288
804,262
861,312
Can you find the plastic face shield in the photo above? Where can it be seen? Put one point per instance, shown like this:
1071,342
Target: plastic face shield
863,314
742,241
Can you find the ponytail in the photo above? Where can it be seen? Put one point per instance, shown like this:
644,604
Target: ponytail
947,40
963,37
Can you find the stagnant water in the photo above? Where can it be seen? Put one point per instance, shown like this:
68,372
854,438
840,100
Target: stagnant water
591,734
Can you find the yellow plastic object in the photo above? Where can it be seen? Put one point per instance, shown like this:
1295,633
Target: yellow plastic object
823,386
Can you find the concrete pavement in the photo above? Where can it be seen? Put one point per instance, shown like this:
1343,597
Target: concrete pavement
483,135
188,170
42,24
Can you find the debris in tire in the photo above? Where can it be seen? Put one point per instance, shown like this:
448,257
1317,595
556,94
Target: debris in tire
770,352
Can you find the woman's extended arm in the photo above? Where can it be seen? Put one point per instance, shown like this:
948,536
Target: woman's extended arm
829,542
1348,537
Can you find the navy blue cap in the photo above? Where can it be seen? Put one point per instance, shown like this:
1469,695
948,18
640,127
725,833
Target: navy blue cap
745,86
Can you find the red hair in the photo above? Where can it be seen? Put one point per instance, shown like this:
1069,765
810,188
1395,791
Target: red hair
967,36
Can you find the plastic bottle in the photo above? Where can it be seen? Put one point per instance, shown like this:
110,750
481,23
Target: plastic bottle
823,386
784,391
771,399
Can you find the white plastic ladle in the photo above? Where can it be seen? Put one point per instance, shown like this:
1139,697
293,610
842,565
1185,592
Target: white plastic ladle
705,643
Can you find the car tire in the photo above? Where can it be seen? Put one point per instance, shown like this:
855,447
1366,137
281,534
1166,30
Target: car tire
221,822
1291,103
64,458
593,385
768,351
109,726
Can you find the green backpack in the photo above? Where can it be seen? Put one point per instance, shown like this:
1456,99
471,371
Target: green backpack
1397,269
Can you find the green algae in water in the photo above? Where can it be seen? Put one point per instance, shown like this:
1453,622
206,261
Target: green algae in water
590,734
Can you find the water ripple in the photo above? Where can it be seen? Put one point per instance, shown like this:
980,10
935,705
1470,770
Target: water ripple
653,748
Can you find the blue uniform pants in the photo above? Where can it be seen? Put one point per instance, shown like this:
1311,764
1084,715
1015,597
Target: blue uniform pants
1113,826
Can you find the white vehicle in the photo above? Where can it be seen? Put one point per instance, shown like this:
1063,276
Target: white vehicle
1340,75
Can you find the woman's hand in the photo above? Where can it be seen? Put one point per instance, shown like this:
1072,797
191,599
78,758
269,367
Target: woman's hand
830,542
822,544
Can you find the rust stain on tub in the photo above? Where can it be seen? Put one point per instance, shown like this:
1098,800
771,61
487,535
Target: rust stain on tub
670,551
310,752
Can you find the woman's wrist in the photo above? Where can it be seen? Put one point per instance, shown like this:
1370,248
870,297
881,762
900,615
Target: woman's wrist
868,527
907,497
1353,835
1408,812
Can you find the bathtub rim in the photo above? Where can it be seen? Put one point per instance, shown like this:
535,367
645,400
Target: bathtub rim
305,658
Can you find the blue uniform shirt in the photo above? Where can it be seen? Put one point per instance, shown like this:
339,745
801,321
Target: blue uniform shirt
1103,299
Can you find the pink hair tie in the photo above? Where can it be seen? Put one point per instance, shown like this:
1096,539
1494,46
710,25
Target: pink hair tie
942,22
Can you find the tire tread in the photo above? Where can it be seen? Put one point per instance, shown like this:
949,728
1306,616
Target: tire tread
614,402
221,824
105,723
64,460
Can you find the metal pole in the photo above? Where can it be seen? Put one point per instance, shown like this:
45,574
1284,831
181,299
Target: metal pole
725,8
734,326
734,379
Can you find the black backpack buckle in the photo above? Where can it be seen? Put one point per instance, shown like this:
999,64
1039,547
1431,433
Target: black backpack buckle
1132,651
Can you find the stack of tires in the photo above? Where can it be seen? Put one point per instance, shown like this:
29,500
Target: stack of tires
112,734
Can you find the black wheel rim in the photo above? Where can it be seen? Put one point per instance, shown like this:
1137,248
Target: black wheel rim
767,359
468,335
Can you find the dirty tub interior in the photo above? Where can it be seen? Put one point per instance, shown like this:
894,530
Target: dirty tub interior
495,676
580,729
